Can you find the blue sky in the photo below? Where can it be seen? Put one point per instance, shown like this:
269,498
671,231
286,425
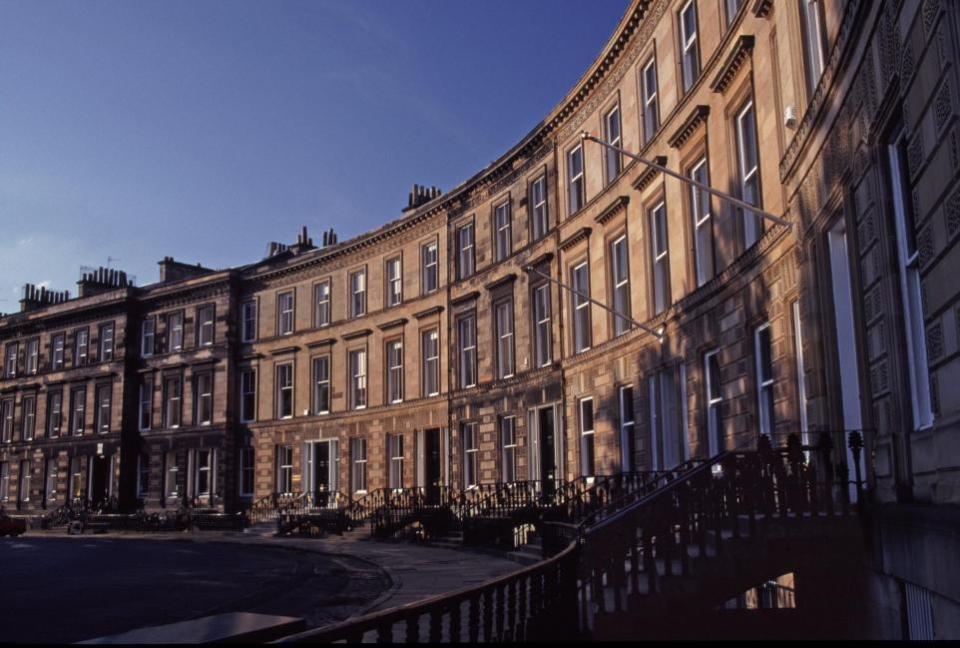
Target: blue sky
203,130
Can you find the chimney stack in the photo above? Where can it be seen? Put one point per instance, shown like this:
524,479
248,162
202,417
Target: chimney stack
421,195
33,297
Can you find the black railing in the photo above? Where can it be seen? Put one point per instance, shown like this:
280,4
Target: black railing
533,604
629,547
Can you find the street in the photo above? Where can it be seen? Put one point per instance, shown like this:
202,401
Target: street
71,589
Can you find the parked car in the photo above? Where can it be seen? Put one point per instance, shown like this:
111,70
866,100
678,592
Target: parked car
11,526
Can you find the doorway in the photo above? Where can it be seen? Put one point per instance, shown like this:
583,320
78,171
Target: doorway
432,464
99,479
846,351
545,449
322,459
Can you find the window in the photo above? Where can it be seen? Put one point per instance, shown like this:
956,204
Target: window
660,259
908,260
542,332
205,317
801,374
613,161
106,342
81,342
78,410
56,357
321,297
580,283
508,449
175,331
284,469
733,6
248,395
358,456
145,412
203,413
358,293
76,478
10,364
395,450
147,336
667,441
502,231
764,354
538,208
471,455
321,384
33,356
143,475
628,421
285,313
430,266
24,491
54,413
285,390
702,223
394,281
394,371
204,474
749,167
248,318
504,334
247,471
465,258
467,339
28,409
430,347
5,481
651,105
172,397
620,277
358,378
587,454
6,420
689,50
51,485
576,189
714,398
814,41
172,485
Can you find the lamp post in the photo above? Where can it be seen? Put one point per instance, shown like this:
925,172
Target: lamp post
659,332
584,135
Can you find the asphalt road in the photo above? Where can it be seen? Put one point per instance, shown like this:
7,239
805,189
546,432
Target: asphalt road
71,589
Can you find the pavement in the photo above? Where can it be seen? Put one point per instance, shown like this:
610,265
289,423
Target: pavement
71,588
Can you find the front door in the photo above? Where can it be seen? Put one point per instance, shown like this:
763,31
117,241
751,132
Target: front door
544,449
847,360
99,479
320,468
432,465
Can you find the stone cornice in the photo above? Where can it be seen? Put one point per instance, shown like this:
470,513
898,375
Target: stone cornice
546,257
400,321
462,299
619,203
496,283
319,343
435,310
284,350
353,335
742,49
580,235
762,8
644,179
689,126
